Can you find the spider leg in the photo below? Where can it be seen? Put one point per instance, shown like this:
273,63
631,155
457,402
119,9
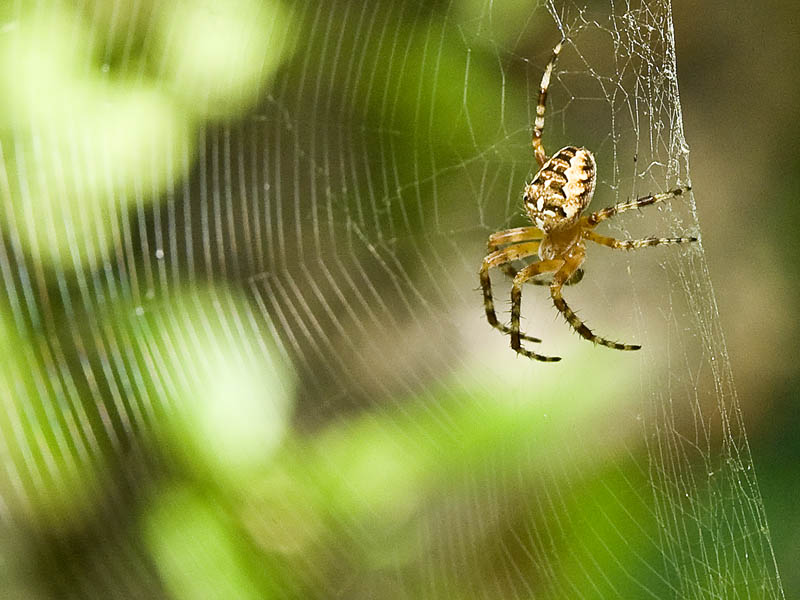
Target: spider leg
612,211
538,124
532,270
512,236
563,274
611,242
496,259
522,234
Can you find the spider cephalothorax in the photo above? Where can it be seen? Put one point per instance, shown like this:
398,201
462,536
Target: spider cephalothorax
554,202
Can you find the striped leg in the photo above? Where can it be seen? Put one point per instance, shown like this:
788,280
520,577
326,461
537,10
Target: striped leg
512,236
611,242
532,270
522,234
538,124
612,211
559,278
496,259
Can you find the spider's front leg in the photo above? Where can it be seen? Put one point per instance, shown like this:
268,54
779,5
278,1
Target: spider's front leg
562,275
515,236
532,270
512,236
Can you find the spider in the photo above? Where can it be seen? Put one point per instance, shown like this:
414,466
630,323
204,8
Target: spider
554,201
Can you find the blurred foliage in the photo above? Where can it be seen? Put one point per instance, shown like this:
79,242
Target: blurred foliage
125,114
359,499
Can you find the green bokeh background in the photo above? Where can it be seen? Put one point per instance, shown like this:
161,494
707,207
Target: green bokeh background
162,436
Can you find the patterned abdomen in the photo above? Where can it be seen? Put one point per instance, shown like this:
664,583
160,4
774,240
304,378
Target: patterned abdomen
562,189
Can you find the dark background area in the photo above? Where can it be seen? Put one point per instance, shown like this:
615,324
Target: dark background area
740,89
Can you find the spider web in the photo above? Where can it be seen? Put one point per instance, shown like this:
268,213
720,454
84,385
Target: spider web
329,241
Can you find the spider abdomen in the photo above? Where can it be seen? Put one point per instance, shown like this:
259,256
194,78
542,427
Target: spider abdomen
562,189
